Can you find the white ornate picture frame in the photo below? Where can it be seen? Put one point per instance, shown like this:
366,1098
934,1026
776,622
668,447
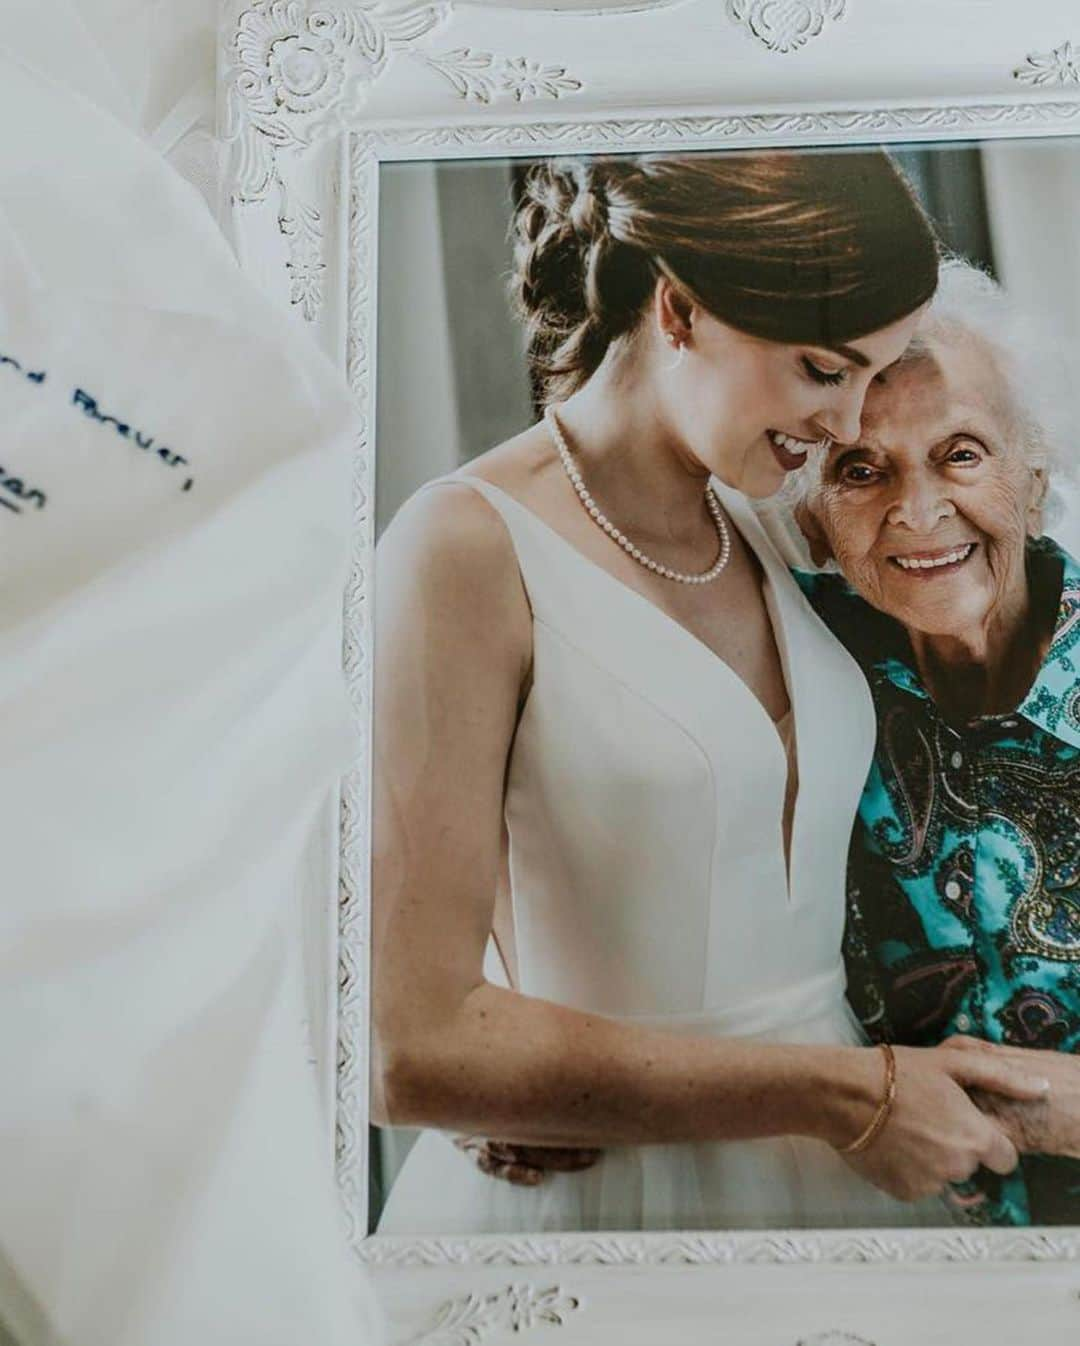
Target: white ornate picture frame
315,96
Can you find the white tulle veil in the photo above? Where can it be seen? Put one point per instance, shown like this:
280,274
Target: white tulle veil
173,538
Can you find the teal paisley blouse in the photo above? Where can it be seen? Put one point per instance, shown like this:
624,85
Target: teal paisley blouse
964,872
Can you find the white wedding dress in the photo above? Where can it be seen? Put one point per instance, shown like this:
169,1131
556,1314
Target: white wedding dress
645,796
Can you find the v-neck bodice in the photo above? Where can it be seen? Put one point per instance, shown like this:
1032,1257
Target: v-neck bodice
646,792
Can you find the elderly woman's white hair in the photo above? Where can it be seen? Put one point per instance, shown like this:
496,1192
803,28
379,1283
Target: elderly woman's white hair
1023,347
1033,370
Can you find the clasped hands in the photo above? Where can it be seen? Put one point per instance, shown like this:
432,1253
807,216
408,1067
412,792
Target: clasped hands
1049,1125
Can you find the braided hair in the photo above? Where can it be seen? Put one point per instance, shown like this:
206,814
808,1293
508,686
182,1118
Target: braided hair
811,247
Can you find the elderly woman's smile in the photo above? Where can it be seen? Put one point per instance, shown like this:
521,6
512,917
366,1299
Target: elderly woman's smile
929,514
919,563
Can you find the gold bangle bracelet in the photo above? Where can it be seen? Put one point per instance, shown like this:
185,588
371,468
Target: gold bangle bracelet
884,1108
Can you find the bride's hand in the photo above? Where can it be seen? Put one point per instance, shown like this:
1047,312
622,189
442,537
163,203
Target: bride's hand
935,1135
524,1165
1049,1125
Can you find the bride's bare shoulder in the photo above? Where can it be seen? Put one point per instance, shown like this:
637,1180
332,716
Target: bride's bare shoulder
448,535
450,520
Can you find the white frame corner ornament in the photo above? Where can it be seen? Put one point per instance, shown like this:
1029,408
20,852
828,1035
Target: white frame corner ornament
296,73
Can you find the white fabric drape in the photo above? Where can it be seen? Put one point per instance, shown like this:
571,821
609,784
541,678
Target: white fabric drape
173,537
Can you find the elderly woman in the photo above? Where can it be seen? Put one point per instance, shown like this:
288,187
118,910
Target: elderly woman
964,911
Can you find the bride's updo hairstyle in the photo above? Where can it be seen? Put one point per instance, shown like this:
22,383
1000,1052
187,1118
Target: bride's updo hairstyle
810,248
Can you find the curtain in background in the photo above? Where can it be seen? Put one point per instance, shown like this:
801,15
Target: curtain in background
949,181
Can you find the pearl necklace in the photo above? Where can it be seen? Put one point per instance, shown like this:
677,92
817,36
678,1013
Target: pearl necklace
624,542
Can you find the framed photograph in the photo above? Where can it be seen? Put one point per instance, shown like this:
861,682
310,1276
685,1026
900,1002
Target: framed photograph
701,921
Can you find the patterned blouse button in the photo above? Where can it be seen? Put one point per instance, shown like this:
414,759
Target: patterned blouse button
963,1023
952,890
957,760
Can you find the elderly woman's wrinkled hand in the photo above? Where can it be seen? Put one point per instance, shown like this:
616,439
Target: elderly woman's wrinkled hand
524,1165
1046,1126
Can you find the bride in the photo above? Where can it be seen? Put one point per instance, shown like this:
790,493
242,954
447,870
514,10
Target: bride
612,736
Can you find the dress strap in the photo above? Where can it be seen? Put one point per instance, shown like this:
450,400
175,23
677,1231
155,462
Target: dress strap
540,563
492,494
513,514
